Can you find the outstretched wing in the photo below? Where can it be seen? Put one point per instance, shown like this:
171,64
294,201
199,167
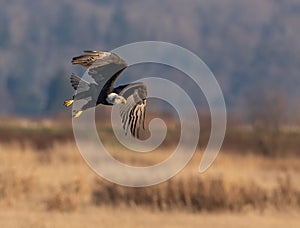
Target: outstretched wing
103,67
78,83
133,112
89,57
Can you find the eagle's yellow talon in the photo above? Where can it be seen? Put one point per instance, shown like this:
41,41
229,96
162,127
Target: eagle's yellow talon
77,114
67,103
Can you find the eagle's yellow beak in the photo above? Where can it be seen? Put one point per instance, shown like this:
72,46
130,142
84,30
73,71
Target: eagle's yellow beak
123,100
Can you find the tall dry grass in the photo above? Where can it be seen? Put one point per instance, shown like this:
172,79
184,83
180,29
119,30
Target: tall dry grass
57,179
201,194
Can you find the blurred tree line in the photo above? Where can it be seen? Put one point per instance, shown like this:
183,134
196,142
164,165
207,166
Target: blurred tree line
245,43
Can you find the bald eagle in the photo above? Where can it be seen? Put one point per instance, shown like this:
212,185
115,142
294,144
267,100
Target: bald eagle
105,68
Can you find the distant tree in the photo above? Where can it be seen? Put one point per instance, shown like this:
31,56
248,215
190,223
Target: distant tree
59,90
65,28
25,100
266,110
118,32
4,31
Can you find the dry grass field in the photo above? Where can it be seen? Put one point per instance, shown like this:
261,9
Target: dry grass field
52,186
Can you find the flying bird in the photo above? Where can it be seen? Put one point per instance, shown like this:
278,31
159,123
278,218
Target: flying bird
104,68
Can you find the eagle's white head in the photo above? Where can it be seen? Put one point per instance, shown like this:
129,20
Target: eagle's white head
114,98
